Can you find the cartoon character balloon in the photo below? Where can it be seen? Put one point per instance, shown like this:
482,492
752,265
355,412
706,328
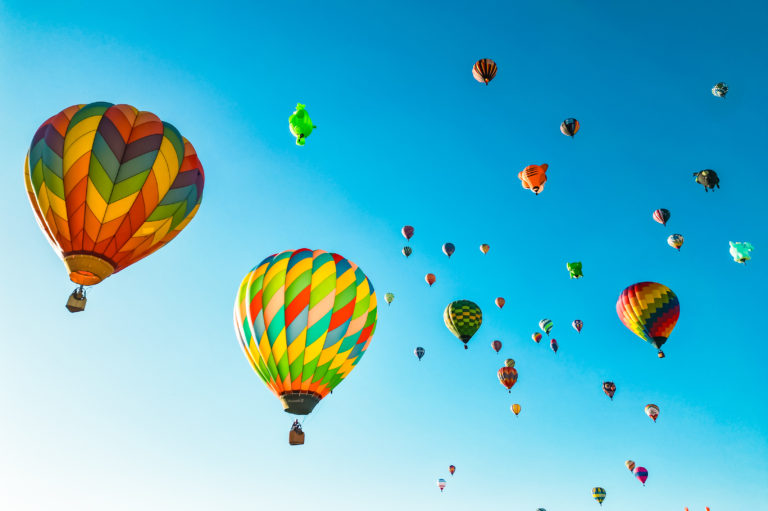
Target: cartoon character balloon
110,185
533,177
569,127
300,124
740,251
609,388
652,411
484,70
463,318
650,310
304,319
708,179
575,270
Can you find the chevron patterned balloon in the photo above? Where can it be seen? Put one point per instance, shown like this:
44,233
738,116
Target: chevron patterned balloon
109,185
304,319
650,310
463,318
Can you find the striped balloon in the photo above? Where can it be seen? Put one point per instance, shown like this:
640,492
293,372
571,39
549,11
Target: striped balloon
641,473
407,251
569,127
578,325
484,70
599,494
546,325
536,337
630,465
484,248
507,377
553,345
652,411
650,310
109,185
304,319
661,215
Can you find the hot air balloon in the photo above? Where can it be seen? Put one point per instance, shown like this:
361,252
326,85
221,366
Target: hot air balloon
609,388
630,465
536,337
740,251
484,248
484,70
509,362
388,298
407,251
500,302
419,352
708,179
451,469
110,185
553,345
463,318
300,124
533,177
575,270
720,90
569,127
661,216
496,345
652,411
541,509
448,249
430,278
545,325
304,319
508,377
650,310
407,231
641,474
578,325
515,409
599,494
441,484
675,241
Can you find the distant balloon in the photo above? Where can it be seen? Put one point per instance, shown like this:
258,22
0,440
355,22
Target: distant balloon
407,251
599,494
441,484
652,411
661,216
449,249
630,465
463,318
300,124
675,241
546,325
430,278
389,297
650,310
407,231
500,302
575,270
419,352
510,362
720,89
484,70
578,325
536,337
451,469
569,127
515,409
609,388
553,345
533,177
496,345
484,248
708,179
508,377
641,474
740,251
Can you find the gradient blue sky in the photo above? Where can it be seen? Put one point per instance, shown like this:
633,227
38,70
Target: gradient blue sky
145,401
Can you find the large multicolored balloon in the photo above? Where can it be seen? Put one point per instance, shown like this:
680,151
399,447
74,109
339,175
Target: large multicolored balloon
536,337
407,251
569,127
451,469
652,411
463,318
109,185
575,270
675,241
740,251
507,377
553,345
449,249
661,216
500,302
578,325
630,465
300,124
304,319
720,89
546,325
533,177
496,345
441,484
484,248
407,231
515,409
598,494
641,474
650,310
419,352
708,179
484,70
609,388
430,278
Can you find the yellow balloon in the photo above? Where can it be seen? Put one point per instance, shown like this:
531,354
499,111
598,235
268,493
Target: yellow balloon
510,362
515,408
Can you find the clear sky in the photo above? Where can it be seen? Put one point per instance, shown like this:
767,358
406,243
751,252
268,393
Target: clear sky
145,401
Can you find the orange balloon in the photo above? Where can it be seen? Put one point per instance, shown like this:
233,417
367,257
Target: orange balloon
430,278
533,177
500,302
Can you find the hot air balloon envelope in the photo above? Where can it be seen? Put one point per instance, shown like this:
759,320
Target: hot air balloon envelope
546,326
500,302
661,216
484,70
641,474
578,325
575,270
650,310
507,376
463,318
484,248
449,249
533,177
569,127
496,345
300,124
740,251
407,231
419,352
430,278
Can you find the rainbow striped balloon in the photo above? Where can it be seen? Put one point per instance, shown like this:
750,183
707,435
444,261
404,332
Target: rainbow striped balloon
304,319
109,185
650,310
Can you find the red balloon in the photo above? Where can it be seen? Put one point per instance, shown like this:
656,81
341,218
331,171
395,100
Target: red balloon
496,345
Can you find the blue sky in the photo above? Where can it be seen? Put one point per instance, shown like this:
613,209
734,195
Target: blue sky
145,401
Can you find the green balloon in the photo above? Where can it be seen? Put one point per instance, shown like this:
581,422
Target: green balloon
300,124
575,269
463,318
389,297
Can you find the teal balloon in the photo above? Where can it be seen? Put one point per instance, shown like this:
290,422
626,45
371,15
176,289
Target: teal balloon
300,124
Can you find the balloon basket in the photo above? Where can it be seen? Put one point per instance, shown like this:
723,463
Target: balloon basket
296,437
76,301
